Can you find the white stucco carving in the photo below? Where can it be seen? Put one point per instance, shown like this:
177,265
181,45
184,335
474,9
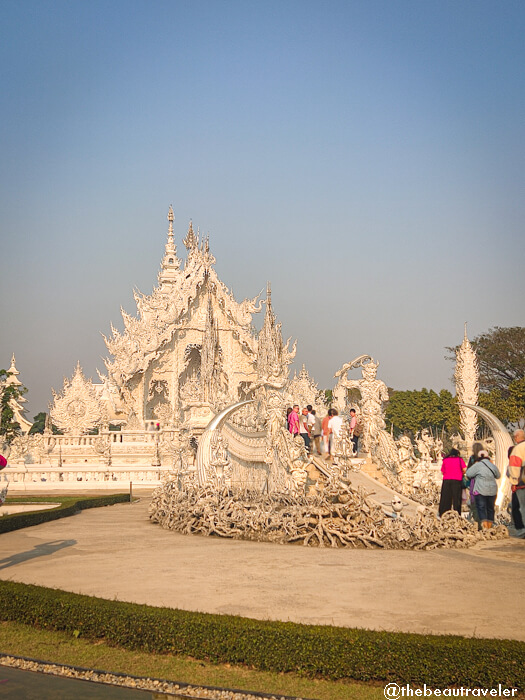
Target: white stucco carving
303,390
77,409
466,377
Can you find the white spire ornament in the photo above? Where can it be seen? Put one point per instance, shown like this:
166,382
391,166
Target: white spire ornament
466,377
169,269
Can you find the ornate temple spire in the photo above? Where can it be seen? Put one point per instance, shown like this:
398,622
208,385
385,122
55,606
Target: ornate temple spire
210,348
13,379
170,262
191,241
466,376
269,354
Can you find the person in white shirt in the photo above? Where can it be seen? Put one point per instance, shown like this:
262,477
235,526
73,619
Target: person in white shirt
334,426
304,428
316,431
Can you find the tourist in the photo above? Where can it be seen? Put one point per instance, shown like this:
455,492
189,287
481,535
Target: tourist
310,420
468,484
517,478
326,433
453,468
334,427
293,421
485,489
317,431
515,513
355,430
304,429
288,411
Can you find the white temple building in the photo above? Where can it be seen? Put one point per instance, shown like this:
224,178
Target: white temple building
190,350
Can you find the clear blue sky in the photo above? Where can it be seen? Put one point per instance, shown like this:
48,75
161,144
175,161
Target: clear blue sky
366,157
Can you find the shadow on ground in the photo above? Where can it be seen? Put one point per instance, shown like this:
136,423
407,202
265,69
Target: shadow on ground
39,550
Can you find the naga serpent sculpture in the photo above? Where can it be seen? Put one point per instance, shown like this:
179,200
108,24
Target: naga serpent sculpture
204,454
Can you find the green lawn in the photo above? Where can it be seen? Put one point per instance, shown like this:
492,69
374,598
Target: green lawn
58,647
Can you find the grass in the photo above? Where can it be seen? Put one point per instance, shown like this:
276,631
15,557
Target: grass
67,505
56,498
42,499
58,647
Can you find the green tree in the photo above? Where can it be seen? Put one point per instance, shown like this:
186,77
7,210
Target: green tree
9,428
411,411
501,357
39,423
509,405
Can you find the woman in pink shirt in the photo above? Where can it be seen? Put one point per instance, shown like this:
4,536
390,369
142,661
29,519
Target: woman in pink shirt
453,469
293,421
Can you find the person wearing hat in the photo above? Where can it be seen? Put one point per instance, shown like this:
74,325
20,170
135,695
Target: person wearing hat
485,488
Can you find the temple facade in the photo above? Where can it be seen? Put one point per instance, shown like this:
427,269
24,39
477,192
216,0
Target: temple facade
190,350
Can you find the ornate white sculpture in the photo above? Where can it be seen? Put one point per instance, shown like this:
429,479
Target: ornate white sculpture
77,408
220,460
102,446
343,450
374,394
466,376
303,390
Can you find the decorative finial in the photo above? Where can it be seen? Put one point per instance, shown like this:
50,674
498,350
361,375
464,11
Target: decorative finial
13,370
170,262
191,239
466,336
170,245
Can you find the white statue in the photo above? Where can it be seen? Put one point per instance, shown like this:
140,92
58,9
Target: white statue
374,394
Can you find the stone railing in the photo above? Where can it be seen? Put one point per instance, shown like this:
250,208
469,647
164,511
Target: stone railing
36,477
247,446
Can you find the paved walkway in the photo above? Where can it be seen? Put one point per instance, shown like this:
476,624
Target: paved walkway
116,553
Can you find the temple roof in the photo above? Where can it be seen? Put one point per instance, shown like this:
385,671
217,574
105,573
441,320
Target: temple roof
171,305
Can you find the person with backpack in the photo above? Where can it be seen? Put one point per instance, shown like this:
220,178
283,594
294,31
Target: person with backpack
485,488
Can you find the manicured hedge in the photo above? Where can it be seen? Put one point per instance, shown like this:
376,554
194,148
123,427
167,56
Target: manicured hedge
315,651
70,506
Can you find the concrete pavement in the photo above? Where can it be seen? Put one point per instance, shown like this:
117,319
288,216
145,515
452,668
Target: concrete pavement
116,553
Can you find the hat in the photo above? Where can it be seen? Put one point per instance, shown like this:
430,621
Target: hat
3,462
